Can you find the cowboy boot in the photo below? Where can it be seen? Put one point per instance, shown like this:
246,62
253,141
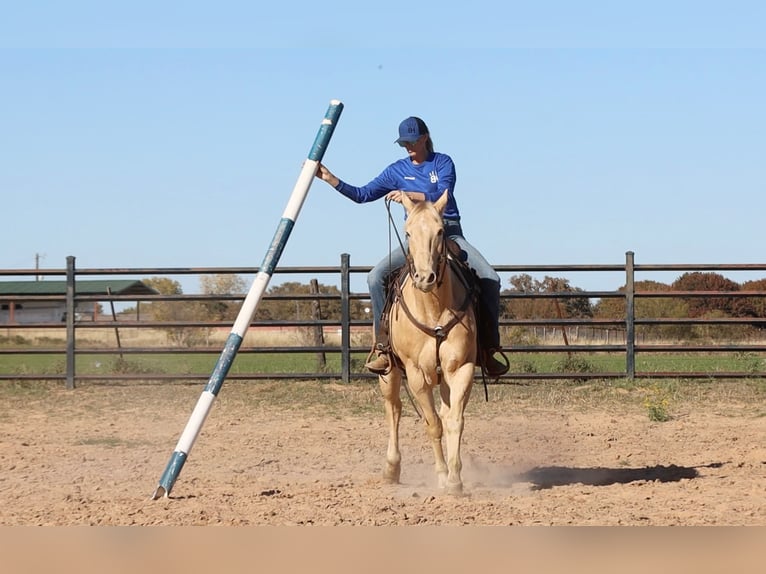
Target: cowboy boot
381,364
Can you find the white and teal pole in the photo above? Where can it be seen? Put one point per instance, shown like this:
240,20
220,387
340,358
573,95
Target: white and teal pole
247,311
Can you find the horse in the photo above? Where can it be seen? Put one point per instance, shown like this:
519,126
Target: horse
433,335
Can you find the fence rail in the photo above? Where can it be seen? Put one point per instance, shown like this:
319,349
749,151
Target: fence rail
617,337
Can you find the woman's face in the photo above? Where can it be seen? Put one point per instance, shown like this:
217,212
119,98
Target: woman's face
417,149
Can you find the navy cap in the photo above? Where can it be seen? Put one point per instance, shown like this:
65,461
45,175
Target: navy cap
411,129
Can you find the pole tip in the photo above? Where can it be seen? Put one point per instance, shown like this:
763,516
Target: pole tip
159,493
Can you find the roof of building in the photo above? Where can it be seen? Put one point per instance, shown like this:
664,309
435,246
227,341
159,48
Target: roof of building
82,287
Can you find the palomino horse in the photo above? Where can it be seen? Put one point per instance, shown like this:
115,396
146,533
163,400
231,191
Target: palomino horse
433,336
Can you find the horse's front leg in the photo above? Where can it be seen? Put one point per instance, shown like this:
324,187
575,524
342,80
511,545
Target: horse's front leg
455,391
424,397
390,386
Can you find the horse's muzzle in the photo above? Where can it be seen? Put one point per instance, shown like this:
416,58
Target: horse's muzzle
425,282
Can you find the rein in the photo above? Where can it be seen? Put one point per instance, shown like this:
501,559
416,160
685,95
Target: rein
392,225
438,332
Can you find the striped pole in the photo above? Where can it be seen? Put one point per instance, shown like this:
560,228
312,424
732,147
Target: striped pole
247,311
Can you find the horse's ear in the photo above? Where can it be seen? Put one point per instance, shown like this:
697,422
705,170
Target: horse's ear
407,203
441,203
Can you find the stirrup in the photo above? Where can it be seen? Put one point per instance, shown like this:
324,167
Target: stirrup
491,366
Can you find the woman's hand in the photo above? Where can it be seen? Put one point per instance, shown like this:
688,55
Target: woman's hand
325,175
396,195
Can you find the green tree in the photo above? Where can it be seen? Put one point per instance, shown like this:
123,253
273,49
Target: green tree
305,308
614,307
163,285
163,310
222,284
648,307
174,311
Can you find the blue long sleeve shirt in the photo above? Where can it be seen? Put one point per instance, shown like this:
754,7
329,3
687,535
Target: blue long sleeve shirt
431,178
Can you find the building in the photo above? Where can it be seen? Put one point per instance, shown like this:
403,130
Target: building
14,309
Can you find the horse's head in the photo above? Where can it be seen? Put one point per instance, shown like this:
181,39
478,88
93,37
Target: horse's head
426,243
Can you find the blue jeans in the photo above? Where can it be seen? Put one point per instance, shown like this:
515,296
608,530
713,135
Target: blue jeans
488,278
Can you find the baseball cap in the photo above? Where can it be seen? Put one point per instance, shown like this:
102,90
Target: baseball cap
411,129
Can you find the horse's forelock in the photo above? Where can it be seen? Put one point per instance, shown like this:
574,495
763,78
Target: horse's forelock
424,207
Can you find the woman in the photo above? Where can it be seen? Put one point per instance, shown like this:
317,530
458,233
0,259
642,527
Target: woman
423,175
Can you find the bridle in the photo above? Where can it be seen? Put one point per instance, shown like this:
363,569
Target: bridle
438,332
442,264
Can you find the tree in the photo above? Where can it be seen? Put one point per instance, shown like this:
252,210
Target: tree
285,309
222,284
648,307
614,307
551,308
163,310
700,306
172,311
163,285
752,306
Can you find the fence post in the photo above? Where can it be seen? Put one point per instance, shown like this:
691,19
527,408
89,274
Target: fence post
318,331
345,318
630,326
70,307
114,318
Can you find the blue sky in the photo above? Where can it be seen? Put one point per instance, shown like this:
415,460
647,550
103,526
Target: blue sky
171,134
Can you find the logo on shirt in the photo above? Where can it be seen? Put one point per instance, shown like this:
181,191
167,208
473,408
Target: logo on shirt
434,177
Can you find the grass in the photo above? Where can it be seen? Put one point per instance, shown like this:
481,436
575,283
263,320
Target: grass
332,398
190,363
26,390
265,363
645,362
244,363
657,400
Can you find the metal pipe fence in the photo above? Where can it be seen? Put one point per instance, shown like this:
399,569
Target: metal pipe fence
598,343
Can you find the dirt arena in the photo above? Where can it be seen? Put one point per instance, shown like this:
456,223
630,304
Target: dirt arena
311,453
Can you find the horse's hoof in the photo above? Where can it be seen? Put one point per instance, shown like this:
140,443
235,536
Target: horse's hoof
455,489
392,476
